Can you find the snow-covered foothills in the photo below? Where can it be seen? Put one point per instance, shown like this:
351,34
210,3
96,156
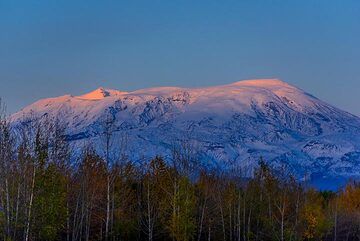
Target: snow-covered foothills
226,126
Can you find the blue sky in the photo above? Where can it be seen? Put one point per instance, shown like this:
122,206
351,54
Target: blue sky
50,48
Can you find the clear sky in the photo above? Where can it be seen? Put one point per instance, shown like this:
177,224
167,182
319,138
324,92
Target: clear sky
50,48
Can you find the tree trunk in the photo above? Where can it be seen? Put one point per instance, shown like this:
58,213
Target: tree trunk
201,220
150,224
30,205
239,218
16,211
107,207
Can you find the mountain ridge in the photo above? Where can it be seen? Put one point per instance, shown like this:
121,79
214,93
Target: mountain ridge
233,124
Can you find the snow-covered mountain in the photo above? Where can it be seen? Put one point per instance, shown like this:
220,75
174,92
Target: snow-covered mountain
227,125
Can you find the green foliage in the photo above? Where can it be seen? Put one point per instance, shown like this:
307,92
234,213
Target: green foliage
50,203
314,217
182,221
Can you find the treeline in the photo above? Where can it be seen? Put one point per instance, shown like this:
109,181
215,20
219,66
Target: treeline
45,195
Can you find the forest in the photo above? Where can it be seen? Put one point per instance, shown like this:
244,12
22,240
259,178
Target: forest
47,194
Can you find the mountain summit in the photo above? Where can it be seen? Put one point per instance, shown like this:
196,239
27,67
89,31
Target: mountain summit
100,93
226,126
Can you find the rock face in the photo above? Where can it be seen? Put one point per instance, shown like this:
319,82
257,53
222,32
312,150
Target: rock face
227,125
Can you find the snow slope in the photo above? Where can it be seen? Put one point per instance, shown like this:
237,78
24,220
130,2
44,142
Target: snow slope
227,125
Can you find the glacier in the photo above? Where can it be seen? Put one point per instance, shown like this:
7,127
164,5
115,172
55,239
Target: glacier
226,126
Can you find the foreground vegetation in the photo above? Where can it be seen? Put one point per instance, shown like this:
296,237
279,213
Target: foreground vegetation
105,196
